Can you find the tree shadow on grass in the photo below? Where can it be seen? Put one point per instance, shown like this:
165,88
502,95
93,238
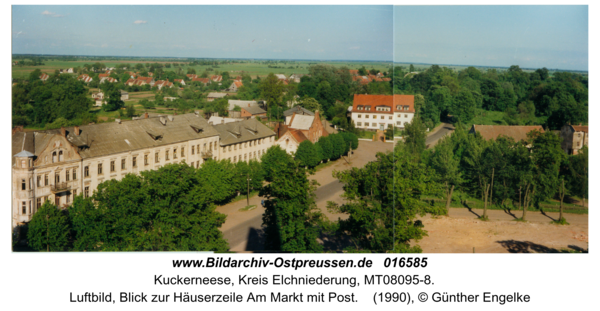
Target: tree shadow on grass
513,246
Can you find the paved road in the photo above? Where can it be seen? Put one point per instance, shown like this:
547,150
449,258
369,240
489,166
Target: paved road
445,129
242,229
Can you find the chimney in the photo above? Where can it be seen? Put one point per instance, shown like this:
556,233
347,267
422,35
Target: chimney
76,129
162,120
145,115
118,121
170,117
63,132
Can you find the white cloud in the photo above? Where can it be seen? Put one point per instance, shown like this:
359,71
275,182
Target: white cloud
51,14
140,22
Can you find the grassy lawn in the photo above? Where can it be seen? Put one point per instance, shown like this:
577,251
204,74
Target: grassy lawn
366,134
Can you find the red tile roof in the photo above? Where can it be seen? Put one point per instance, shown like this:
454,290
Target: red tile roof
397,103
216,78
44,77
103,75
580,128
517,132
298,135
189,75
238,83
203,80
353,72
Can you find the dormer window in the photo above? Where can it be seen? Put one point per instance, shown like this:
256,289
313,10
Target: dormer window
54,157
398,107
359,107
60,156
368,108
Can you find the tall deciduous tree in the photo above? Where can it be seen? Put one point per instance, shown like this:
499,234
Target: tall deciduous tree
271,90
49,229
291,216
415,136
447,167
307,154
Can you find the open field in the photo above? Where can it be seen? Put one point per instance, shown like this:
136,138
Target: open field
252,68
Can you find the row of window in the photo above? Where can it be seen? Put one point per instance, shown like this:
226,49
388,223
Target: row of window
248,156
57,200
383,108
381,117
246,144
374,124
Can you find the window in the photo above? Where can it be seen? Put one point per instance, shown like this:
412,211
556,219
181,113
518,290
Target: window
366,123
359,123
23,164
46,180
24,209
390,117
39,181
183,152
122,164
398,123
86,171
145,159
235,147
366,116
56,178
99,168
74,174
175,153
406,116
23,185
197,164
234,159
57,200
368,108
134,162
405,108
68,198
398,107
360,116
193,150
399,116
39,202
210,146
67,175
53,156
60,156
156,157
87,192
167,155
74,193
112,166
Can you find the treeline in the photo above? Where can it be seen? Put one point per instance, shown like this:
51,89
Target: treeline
61,98
526,98
328,148
169,209
511,174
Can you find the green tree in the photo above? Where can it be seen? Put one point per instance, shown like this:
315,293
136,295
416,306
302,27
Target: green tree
464,106
382,201
170,209
447,168
339,146
310,103
113,95
415,136
271,90
326,147
291,216
49,229
307,154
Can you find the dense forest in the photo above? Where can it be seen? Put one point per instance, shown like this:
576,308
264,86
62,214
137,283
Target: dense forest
536,97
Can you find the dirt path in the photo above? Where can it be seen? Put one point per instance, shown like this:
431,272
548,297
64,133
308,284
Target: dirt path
462,231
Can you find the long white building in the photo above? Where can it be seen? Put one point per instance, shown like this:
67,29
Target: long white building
58,165
378,112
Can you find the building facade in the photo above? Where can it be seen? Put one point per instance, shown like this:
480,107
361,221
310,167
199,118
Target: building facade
58,165
379,112
244,140
574,137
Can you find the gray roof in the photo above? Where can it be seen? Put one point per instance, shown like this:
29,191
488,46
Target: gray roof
241,103
298,110
24,154
301,122
111,138
217,120
216,95
22,141
254,110
242,131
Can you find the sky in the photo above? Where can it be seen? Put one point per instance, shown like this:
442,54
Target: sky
527,36
276,32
